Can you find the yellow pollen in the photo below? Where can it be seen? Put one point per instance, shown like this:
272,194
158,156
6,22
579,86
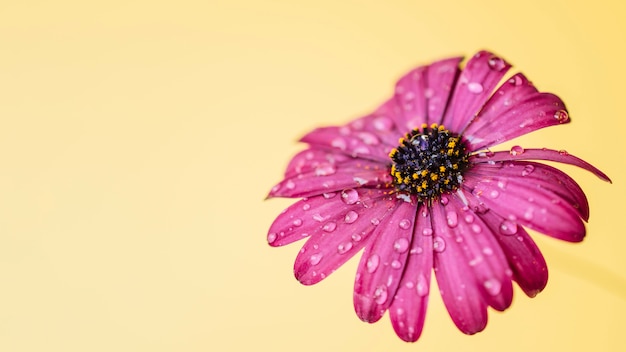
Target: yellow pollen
415,176
434,126
434,177
442,168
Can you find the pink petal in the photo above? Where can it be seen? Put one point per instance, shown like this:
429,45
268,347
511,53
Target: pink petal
482,252
422,95
522,202
313,159
560,156
327,176
308,216
527,264
382,122
476,83
456,280
362,144
337,239
541,176
383,262
408,309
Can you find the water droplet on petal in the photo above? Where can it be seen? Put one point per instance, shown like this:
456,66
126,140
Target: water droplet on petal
439,244
339,143
349,196
297,222
476,228
396,264
329,195
487,251
516,150
469,218
290,185
404,224
315,258
516,80
496,63
356,237
429,93
325,169
372,263
494,193
528,169
383,123
375,221
330,226
508,227
271,237
306,207
493,286
475,87
452,218
369,138
401,245
344,247
561,116
427,231
361,150
563,152
444,200
416,250
380,294
350,217
422,285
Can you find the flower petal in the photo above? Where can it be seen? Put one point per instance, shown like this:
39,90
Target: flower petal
326,176
541,176
474,86
361,144
422,95
383,262
309,215
337,239
522,202
526,261
456,280
560,156
408,309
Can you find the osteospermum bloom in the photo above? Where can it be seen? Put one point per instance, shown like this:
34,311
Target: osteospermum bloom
416,185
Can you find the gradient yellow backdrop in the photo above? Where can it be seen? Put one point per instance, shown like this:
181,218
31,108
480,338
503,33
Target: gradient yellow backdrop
139,138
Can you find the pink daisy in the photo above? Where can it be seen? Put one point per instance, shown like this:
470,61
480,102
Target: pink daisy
418,197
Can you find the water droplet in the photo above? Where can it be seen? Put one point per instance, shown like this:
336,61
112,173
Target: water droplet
372,263
401,245
563,152
409,284
329,195
452,218
325,169
516,80
271,237
349,196
487,251
516,150
444,200
404,224
290,185
493,286
315,258
380,294
383,123
396,264
508,227
330,226
439,244
339,143
469,218
275,188
476,228
528,169
356,237
422,286
427,231
369,138
416,250
375,221
529,213
475,87
361,150
429,93
306,207
350,217
561,116
319,217
344,247
297,222
494,193
496,63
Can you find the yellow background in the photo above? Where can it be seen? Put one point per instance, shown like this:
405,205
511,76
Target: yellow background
139,138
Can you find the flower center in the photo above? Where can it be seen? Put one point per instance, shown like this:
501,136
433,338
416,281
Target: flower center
428,162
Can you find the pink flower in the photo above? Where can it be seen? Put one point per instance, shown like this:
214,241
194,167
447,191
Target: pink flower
419,197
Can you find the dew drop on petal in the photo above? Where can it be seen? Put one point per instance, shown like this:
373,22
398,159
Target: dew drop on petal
297,222
339,143
404,224
356,237
329,195
487,251
508,227
271,237
349,196
429,93
494,193
401,245
350,217
561,116
516,81
476,228
306,207
344,247
528,169
369,138
325,169
315,258
427,231
496,63
444,200
361,150
493,286
452,219
290,185
375,221
475,87
416,250
396,264
380,294
372,263
516,150
422,285
563,152
439,244
469,218
330,226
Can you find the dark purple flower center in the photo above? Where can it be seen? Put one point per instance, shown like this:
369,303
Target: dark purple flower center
428,162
